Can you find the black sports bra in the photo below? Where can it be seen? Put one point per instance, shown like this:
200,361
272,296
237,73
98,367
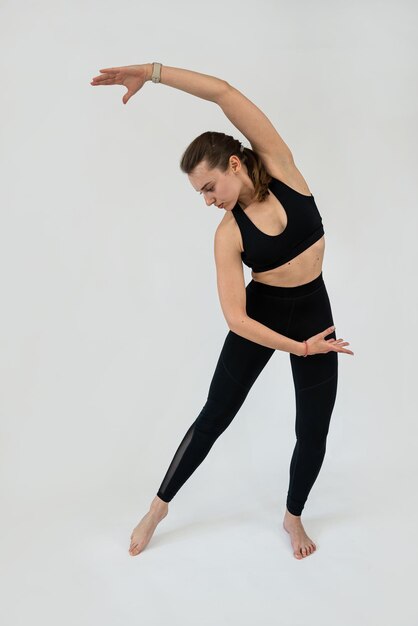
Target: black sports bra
264,252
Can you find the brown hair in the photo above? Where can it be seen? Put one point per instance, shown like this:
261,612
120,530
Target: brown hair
216,149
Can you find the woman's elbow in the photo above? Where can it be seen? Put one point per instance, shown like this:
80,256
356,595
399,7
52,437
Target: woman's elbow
236,321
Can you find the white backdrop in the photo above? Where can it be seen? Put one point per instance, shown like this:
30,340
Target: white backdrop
111,324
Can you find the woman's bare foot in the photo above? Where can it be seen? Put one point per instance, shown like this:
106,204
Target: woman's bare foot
302,545
143,532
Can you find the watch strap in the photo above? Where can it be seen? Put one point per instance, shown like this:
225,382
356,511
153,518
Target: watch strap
156,72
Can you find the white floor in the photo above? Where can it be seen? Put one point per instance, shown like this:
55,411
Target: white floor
212,561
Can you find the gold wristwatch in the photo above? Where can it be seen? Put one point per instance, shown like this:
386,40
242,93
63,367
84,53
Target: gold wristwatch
156,72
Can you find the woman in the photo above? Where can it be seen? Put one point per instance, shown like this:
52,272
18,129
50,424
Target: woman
272,224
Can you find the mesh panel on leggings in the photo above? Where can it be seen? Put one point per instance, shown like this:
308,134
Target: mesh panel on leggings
175,462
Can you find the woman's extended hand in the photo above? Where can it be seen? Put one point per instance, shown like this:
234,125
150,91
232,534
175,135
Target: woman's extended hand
318,345
132,76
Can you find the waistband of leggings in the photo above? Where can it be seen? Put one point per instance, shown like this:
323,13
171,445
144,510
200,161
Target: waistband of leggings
287,292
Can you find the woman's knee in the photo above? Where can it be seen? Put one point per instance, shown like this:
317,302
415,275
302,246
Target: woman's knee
218,413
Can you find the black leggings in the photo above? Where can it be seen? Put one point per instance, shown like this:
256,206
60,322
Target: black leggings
297,312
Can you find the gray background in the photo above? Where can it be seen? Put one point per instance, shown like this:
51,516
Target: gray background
110,323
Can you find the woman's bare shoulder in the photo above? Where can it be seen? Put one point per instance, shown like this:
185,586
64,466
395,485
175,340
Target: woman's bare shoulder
228,228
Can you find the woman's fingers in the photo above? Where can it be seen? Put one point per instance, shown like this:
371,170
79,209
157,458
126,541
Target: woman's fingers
99,79
337,345
106,81
339,348
106,74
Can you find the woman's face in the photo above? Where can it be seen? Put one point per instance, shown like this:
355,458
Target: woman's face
218,188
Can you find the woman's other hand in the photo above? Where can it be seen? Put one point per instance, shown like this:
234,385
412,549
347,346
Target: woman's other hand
132,76
317,344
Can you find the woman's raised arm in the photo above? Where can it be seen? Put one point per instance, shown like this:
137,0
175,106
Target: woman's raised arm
134,77
243,113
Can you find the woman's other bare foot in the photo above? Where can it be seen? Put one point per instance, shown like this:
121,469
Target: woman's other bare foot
302,545
143,532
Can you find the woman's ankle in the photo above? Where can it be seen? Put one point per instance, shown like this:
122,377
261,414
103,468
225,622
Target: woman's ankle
158,505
